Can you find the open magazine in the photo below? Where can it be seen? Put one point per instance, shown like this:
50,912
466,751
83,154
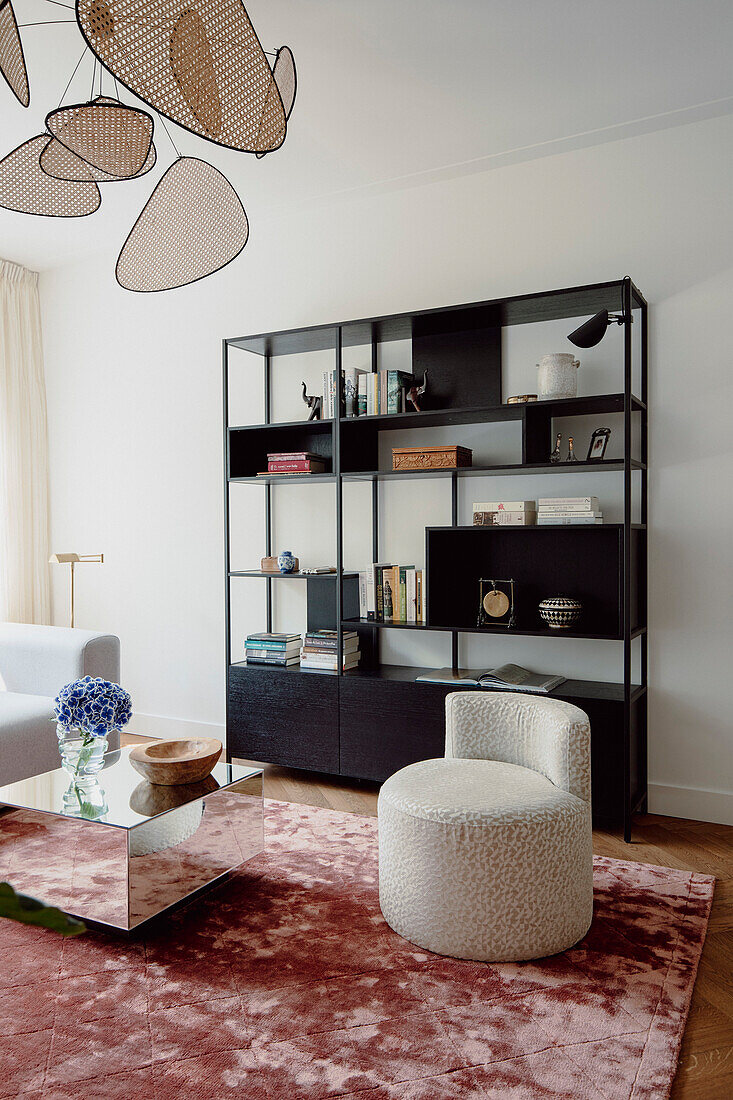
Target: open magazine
505,678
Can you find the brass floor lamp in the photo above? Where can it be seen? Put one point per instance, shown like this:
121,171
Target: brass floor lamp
72,560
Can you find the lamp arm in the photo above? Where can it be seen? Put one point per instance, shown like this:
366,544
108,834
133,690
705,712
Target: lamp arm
99,558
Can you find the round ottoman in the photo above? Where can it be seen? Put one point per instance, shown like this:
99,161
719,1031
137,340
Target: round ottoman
484,860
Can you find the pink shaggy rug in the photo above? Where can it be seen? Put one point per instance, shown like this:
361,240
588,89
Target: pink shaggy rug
285,983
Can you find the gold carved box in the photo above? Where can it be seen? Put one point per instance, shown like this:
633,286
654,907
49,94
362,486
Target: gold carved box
431,458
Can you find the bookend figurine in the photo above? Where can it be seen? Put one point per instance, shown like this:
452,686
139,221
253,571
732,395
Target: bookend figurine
414,391
572,457
555,456
314,404
496,604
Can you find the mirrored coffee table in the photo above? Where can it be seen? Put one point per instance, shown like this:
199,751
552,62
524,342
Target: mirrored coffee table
123,851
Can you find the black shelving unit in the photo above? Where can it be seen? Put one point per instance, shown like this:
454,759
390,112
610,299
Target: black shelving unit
370,721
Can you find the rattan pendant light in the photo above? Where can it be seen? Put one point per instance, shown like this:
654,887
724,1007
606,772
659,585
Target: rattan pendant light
192,225
286,80
26,188
12,61
198,62
105,133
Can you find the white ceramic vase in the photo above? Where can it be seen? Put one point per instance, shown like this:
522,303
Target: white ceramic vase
557,376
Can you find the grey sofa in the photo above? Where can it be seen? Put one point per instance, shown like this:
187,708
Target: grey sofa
35,662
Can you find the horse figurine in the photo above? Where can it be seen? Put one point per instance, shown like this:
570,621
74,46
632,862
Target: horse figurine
314,404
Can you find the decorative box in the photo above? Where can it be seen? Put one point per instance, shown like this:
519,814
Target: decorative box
431,458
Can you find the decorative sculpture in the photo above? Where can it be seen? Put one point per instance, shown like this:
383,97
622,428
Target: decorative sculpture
24,187
192,225
60,163
555,456
106,134
197,62
572,457
314,404
12,61
414,391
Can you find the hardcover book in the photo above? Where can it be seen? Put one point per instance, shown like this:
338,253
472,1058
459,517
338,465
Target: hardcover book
505,678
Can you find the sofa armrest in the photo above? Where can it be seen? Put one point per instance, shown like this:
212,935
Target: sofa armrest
39,660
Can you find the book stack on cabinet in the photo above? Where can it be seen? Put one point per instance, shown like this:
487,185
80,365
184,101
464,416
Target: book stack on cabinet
320,650
392,593
505,513
569,511
294,462
272,649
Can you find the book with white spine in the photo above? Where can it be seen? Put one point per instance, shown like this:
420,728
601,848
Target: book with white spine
577,521
506,506
567,513
570,502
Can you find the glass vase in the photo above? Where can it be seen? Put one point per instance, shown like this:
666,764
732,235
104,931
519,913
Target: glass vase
86,799
82,755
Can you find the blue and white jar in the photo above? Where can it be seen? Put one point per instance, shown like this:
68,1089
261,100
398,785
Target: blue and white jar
286,561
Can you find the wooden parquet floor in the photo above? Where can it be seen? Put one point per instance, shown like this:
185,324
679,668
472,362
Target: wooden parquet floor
705,1069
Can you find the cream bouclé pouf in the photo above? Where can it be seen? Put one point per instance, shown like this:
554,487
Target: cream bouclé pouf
487,854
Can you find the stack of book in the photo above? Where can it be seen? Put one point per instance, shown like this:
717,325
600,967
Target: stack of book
320,649
568,511
505,513
382,392
272,649
363,393
294,462
392,593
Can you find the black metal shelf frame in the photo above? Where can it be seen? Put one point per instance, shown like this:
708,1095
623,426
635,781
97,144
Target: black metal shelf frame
573,302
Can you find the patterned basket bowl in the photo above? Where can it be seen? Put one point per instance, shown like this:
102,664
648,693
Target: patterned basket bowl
560,612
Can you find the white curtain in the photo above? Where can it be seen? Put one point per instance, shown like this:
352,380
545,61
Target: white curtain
24,523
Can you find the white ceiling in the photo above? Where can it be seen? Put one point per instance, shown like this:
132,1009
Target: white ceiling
399,92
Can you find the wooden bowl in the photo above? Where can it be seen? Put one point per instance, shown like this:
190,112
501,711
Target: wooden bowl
170,763
149,799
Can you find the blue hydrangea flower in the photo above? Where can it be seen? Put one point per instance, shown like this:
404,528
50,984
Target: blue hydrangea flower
93,705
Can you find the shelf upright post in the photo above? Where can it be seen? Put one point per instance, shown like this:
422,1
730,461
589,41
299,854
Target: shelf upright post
643,564
628,382
336,448
227,565
454,523
268,488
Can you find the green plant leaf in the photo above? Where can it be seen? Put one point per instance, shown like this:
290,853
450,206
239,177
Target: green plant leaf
27,910
90,811
85,754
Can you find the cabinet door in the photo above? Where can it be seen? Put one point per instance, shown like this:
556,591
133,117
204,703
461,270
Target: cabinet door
284,717
386,725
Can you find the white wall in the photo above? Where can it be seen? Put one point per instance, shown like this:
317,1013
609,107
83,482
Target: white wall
134,391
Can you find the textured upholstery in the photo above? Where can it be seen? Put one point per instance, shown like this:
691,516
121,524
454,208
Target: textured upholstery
487,854
35,662
546,735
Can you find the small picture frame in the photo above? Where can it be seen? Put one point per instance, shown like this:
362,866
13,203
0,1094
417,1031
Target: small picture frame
598,444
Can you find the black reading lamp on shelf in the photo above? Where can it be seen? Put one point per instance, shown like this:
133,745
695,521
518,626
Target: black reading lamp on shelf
592,332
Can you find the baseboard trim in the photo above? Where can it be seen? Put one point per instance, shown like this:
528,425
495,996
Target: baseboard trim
691,802
162,725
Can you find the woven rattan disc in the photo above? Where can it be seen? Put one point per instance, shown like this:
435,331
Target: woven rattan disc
26,188
108,135
192,225
198,62
285,78
58,161
12,61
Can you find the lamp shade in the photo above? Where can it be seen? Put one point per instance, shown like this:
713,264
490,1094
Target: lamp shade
591,332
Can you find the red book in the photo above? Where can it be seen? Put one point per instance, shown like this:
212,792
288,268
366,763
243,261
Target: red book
293,456
305,466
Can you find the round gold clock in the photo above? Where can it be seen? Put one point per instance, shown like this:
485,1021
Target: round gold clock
496,603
